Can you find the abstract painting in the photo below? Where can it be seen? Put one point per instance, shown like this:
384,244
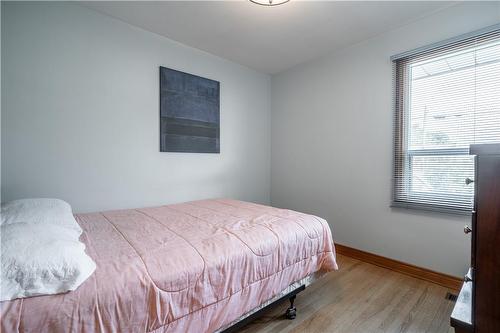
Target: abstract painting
189,113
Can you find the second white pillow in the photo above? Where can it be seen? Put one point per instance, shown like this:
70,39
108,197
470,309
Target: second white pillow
41,259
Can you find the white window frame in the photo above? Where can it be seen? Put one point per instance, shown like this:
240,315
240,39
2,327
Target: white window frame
403,157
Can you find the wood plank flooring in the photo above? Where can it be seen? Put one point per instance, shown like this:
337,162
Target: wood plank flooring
363,298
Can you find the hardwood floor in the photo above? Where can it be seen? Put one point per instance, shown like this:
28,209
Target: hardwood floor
363,298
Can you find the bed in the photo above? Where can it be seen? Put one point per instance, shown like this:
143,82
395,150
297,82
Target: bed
200,266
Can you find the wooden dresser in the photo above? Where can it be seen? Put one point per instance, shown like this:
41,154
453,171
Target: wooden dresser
478,305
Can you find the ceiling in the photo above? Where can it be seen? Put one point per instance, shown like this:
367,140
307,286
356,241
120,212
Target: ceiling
268,39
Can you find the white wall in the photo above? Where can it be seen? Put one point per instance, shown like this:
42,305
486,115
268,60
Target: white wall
0,104
80,117
80,122
332,145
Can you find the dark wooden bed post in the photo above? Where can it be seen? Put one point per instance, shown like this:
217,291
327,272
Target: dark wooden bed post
291,312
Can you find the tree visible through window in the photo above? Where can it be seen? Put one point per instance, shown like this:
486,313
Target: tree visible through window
446,100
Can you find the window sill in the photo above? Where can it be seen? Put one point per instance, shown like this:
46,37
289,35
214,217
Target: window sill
430,208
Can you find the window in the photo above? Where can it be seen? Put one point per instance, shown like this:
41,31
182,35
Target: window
446,98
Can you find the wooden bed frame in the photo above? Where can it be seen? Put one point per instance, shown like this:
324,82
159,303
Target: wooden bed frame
290,313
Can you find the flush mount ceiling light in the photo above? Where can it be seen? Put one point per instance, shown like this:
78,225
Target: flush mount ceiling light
269,2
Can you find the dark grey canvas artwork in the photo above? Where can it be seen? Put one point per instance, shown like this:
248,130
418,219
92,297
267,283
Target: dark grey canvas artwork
189,113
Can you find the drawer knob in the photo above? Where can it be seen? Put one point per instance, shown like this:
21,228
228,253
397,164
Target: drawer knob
467,229
468,181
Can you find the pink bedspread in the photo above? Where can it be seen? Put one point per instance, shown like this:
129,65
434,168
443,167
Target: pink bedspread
191,267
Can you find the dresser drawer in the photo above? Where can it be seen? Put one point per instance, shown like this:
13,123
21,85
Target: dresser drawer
461,317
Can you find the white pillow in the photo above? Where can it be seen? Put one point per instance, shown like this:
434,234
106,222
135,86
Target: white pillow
42,210
41,259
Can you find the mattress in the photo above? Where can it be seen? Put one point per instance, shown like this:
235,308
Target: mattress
190,267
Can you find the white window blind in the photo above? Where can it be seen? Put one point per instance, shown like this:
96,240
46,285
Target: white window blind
446,98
